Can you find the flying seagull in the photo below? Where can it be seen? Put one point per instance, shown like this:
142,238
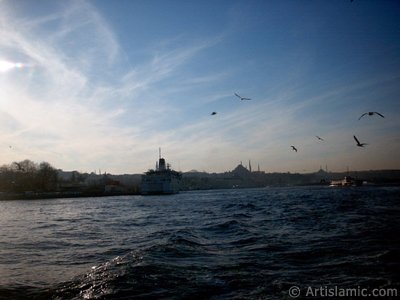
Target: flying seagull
242,98
19,166
213,113
321,139
358,142
294,148
371,113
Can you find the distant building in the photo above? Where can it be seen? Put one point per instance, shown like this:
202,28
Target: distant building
114,186
241,172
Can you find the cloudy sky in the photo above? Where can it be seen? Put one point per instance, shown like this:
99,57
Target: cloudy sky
89,85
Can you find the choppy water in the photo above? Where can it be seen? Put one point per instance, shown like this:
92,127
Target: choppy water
225,244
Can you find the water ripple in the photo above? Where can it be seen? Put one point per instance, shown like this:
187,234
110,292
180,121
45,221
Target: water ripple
240,244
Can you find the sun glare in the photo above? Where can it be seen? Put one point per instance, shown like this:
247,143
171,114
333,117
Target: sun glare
7,65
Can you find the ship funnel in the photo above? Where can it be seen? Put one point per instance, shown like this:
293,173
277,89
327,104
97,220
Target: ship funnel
161,161
161,164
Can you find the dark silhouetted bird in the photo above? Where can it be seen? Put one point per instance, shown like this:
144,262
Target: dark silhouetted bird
371,113
19,166
242,98
294,148
358,142
321,139
213,113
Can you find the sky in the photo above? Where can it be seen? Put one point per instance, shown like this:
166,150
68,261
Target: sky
102,85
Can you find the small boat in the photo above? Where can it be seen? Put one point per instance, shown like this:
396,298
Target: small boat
161,181
347,181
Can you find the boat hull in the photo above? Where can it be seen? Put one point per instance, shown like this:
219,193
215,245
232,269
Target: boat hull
160,183
346,182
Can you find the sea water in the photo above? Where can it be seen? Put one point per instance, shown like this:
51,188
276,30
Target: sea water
220,244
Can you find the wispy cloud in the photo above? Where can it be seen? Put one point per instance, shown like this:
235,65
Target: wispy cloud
58,111
50,97
82,103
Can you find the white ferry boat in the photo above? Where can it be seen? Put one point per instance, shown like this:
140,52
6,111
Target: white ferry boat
161,181
347,181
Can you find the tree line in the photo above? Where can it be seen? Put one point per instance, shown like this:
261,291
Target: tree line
27,175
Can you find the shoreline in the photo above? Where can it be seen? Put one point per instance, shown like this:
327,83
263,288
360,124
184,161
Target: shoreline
58,195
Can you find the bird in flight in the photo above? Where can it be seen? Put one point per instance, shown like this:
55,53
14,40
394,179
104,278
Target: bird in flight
358,142
19,166
371,113
321,139
242,98
213,113
294,148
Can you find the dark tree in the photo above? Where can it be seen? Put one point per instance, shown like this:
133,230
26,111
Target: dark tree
23,176
47,177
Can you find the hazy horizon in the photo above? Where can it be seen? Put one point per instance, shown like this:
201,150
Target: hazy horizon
101,85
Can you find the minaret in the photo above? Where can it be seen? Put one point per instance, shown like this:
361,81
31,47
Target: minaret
249,166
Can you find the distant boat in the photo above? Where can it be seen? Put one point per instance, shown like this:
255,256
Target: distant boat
161,181
346,181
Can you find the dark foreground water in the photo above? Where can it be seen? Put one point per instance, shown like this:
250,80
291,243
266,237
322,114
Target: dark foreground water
225,244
